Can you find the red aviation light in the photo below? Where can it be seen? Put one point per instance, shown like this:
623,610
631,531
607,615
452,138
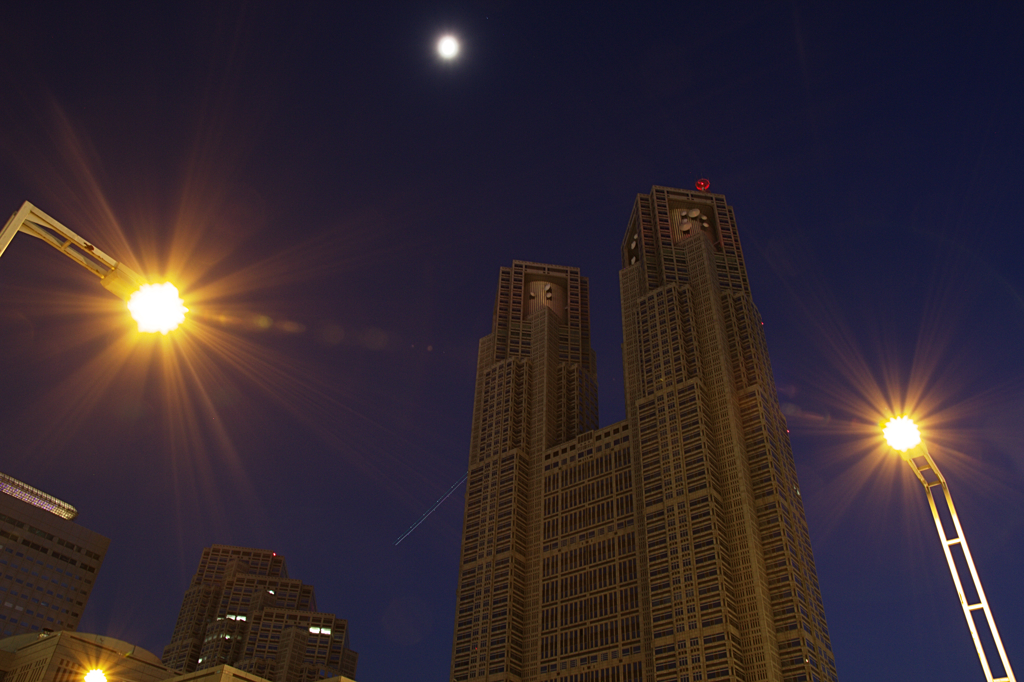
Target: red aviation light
703,184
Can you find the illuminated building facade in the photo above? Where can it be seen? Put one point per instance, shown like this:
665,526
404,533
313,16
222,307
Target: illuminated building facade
535,388
669,546
48,563
243,610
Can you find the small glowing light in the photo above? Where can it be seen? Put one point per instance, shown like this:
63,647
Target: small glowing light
448,47
703,184
157,308
901,433
95,675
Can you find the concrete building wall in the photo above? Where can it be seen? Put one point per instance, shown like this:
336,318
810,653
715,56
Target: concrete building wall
48,563
67,656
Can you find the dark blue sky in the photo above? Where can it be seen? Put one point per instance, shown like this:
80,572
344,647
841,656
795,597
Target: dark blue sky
335,204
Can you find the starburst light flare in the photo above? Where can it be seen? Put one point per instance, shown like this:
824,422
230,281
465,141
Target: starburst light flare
95,675
157,308
901,433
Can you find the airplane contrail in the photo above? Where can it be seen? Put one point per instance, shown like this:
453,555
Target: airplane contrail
431,510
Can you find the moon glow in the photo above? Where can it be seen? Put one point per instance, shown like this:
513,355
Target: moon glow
448,47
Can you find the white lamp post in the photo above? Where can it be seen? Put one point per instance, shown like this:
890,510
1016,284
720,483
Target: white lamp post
902,435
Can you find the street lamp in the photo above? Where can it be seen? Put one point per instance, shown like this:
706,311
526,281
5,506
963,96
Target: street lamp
902,435
155,307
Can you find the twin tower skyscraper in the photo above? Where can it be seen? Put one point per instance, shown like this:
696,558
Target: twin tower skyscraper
671,545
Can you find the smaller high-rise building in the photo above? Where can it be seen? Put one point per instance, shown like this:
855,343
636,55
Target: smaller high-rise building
48,563
243,610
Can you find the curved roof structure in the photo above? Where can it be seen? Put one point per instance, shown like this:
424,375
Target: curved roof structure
37,498
119,646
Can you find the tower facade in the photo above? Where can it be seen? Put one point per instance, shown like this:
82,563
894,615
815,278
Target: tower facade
535,388
243,610
672,545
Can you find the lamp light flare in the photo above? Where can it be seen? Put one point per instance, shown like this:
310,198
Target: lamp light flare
95,675
448,47
901,433
156,308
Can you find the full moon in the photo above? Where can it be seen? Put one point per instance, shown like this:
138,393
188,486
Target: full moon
448,47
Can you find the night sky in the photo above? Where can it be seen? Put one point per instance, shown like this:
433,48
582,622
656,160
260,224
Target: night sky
334,203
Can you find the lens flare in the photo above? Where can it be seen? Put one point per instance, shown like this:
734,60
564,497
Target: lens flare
157,308
901,433
95,675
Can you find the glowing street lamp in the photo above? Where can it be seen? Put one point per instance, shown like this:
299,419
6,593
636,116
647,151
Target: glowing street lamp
902,435
155,307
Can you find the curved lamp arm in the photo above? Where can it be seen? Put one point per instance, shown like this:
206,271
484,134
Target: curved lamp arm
116,277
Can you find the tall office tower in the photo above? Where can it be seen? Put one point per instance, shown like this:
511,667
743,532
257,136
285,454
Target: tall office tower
728,553
48,563
243,610
672,545
535,388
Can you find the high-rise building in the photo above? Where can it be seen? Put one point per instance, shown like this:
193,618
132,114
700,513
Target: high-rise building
671,545
48,563
243,610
